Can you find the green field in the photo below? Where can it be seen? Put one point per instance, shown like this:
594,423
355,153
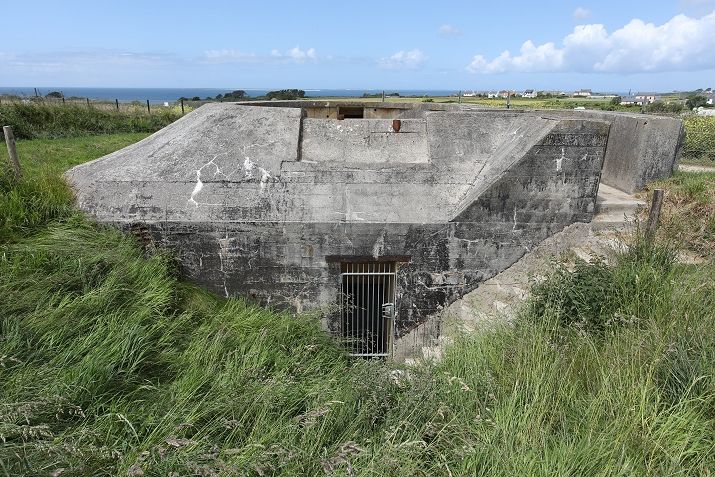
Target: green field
111,365
34,120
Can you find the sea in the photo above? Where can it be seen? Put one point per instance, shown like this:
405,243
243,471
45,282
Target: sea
161,95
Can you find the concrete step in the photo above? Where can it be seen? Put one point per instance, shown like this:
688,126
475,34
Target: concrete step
611,200
614,208
610,220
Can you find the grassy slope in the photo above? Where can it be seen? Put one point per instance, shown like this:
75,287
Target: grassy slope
47,120
111,366
688,217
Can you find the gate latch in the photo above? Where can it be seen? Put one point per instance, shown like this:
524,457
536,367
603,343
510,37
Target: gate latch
388,311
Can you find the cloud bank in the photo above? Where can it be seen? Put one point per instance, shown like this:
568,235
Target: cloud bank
680,44
404,60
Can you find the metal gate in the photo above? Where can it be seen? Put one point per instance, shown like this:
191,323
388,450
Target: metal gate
367,308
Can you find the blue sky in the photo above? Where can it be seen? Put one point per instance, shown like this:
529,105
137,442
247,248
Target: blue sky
605,45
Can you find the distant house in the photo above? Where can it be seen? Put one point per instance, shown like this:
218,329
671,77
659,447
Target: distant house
506,93
628,100
647,98
469,94
493,94
710,96
583,93
529,93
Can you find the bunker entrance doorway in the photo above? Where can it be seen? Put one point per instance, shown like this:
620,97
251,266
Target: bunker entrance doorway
367,308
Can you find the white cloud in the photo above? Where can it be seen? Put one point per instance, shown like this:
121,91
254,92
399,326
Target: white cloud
449,30
236,56
407,60
296,54
581,13
228,56
681,44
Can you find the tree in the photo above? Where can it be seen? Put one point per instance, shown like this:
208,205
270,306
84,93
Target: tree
696,101
54,94
286,94
661,107
616,100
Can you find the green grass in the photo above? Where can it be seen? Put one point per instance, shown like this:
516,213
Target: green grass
688,217
110,365
42,195
47,120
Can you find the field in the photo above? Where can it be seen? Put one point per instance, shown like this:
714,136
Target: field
35,120
111,365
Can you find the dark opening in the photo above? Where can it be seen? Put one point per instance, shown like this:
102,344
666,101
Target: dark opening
367,307
350,112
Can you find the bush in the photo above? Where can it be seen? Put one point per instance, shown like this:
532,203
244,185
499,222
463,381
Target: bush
662,107
699,137
696,101
286,94
597,296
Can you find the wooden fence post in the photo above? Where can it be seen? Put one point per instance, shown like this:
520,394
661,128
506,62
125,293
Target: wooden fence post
148,109
88,102
182,106
116,101
12,151
654,214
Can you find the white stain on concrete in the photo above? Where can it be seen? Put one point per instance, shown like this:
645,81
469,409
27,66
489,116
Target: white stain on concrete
265,177
197,188
248,167
199,184
560,160
379,247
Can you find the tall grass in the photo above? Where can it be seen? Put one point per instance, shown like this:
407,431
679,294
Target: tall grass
689,214
110,365
46,120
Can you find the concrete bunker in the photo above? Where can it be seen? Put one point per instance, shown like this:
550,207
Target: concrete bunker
380,227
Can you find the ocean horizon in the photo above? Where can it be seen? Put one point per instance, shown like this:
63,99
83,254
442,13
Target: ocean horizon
160,95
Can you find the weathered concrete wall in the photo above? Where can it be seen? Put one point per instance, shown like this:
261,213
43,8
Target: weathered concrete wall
245,198
354,141
641,148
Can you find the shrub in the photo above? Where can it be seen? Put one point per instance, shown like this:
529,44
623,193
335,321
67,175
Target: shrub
699,137
599,295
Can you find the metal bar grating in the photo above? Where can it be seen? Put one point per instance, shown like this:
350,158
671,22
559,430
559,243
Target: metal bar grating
367,304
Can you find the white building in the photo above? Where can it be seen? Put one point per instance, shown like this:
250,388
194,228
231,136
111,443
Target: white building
647,98
529,93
